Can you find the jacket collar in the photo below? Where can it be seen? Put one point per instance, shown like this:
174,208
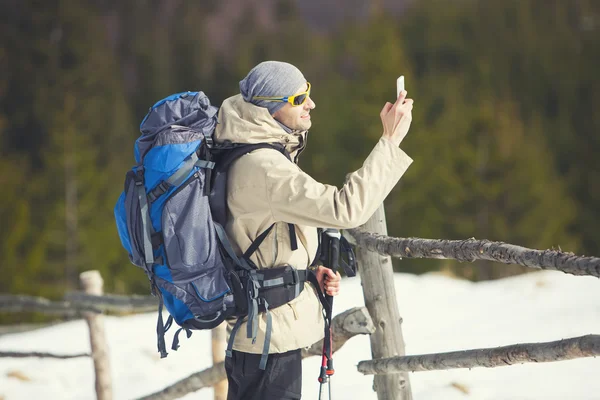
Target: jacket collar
243,122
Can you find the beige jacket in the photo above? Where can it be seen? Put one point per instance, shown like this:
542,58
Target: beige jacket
264,187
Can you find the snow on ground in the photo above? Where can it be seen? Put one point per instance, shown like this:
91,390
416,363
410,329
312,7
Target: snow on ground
440,314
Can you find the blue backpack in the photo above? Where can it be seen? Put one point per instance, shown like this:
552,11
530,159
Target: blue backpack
170,219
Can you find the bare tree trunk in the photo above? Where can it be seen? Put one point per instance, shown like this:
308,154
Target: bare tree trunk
566,349
472,249
219,339
485,269
377,277
92,283
346,325
71,201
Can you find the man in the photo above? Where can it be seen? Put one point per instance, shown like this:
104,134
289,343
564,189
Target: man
266,188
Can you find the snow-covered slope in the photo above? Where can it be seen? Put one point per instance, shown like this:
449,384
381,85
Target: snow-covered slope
440,314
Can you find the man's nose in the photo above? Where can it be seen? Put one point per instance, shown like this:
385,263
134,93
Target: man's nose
310,104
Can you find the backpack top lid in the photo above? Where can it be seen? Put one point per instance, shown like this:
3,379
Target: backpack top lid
189,109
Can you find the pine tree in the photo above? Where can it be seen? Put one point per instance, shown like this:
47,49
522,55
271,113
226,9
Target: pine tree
481,169
67,132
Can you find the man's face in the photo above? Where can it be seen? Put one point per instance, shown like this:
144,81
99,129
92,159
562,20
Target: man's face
296,118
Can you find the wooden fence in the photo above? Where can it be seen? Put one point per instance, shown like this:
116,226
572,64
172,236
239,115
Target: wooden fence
470,250
346,325
375,319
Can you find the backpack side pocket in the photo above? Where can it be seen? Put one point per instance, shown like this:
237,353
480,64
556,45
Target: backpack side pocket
198,273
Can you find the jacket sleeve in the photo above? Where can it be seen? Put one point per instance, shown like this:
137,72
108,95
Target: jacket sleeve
297,198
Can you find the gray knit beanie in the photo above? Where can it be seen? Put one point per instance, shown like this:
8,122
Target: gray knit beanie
268,79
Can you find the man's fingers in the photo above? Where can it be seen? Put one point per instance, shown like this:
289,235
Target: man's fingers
332,291
329,274
332,277
404,109
401,97
330,285
386,108
331,282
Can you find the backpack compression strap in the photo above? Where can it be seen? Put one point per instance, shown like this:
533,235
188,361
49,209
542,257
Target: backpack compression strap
147,232
178,177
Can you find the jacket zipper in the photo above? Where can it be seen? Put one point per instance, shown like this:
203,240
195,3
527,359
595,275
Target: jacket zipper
301,148
275,251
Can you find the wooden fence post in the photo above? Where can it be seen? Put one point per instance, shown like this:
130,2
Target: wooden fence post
91,283
377,278
218,351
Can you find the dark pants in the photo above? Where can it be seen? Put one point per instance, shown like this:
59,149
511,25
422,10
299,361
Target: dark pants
281,380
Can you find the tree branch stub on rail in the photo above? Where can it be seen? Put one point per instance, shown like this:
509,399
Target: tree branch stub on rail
473,249
566,349
352,322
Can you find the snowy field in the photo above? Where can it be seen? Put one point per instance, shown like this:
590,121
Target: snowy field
440,314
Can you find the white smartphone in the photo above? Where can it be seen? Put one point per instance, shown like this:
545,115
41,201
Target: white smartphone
399,85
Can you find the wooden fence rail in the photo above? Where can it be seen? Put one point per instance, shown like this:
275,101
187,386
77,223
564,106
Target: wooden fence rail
566,349
75,304
473,249
37,354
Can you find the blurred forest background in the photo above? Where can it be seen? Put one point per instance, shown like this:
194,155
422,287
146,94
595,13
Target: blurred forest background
505,133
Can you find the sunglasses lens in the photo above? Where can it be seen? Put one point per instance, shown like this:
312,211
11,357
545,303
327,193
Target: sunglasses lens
300,99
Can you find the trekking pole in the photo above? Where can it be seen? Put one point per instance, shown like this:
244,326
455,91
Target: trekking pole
326,359
330,260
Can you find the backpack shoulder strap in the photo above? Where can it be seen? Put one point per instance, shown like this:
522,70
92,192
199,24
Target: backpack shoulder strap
227,155
224,157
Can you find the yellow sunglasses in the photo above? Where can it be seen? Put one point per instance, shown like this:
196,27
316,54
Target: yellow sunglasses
295,100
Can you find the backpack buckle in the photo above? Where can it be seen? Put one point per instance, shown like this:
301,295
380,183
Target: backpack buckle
253,285
139,176
295,277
